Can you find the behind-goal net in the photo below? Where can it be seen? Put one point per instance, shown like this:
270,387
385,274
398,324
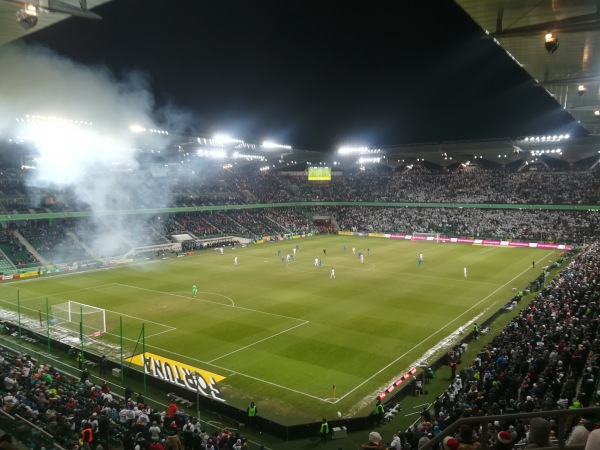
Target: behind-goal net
73,315
432,237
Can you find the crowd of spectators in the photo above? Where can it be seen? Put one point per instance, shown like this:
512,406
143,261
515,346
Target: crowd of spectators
82,415
78,239
547,358
231,187
523,225
54,241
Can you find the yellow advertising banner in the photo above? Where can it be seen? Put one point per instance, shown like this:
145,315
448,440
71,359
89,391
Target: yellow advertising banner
180,374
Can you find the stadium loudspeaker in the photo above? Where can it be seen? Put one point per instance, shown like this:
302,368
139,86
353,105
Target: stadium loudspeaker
116,373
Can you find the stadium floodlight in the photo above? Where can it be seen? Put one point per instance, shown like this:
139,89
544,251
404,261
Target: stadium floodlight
581,90
533,140
216,154
368,160
551,43
226,139
358,150
135,128
28,17
249,157
270,145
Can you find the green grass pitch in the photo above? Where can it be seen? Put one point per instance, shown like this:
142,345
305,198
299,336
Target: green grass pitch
283,334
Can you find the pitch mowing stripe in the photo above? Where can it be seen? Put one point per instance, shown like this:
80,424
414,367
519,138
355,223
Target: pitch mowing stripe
460,280
214,303
257,342
234,372
433,334
68,292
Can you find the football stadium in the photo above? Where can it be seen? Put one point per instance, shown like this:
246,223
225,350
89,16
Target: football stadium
164,286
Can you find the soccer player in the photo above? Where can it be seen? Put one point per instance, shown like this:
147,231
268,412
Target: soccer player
354,250
235,261
362,258
325,251
420,259
194,290
344,249
465,272
278,252
368,251
294,250
332,273
316,262
221,250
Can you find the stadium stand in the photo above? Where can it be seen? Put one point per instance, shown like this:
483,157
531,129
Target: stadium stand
546,359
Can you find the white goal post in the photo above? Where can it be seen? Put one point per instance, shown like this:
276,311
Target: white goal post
433,237
74,313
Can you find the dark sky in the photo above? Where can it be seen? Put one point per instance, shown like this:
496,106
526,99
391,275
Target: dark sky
317,74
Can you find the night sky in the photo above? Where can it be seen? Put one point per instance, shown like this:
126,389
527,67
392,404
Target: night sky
317,74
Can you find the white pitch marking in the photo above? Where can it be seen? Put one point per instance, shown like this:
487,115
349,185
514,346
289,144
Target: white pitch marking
214,303
433,334
257,342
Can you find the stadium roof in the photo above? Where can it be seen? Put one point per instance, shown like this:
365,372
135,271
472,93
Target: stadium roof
561,65
520,27
48,14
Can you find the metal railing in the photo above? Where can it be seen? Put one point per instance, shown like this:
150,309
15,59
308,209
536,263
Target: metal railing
26,433
485,421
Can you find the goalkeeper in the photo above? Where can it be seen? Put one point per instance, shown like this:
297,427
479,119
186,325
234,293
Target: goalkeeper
194,290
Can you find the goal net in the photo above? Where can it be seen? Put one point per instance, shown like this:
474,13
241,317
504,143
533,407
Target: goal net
72,315
432,237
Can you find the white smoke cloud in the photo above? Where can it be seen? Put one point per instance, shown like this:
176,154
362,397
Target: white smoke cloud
80,131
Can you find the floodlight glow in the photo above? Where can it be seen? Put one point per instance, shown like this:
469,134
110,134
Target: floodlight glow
137,128
368,160
357,150
225,139
216,154
238,155
270,144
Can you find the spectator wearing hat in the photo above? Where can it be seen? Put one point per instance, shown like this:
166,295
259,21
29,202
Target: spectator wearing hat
450,443
504,441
